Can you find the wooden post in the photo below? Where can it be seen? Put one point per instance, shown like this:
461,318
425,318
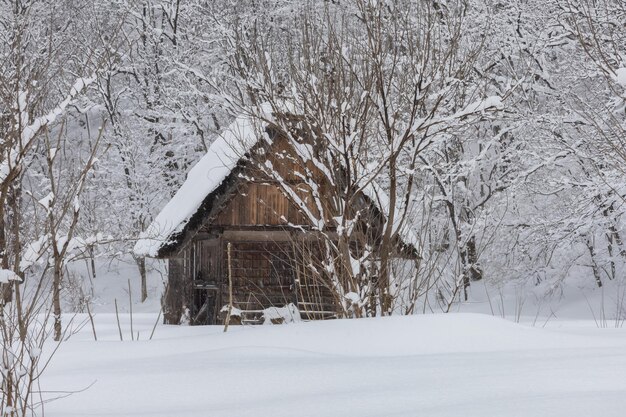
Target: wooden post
117,316
130,305
230,289
93,326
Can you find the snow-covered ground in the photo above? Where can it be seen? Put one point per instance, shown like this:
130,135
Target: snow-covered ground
557,362
433,365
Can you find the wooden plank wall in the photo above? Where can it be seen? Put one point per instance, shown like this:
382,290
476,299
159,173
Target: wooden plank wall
265,273
260,200
259,204
262,274
178,292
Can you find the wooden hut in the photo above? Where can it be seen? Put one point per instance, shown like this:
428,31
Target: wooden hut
233,235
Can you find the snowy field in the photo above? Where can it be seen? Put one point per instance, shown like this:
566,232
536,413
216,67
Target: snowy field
434,365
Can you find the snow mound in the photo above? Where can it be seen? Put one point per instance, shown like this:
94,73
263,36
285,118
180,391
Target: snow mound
287,314
439,365
399,336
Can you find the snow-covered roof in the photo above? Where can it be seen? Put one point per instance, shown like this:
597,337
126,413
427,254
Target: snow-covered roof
204,178
211,171
7,276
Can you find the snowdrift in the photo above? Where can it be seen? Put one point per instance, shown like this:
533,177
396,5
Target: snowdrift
438,365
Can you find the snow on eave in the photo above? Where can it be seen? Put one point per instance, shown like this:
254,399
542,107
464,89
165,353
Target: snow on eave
380,199
6,276
204,178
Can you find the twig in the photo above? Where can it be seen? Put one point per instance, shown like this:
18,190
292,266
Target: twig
64,394
155,324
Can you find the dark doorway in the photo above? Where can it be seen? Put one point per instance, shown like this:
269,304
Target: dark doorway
207,282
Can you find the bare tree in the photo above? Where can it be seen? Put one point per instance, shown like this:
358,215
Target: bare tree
360,91
44,69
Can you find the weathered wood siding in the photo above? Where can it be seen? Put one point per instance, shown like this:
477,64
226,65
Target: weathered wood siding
265,273
178,292
260,204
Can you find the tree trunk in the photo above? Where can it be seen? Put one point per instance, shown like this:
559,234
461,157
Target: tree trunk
141,264
56,302
384,281
92,260
465,272
613,238
594,265
5,289
475,272
345,275
20,312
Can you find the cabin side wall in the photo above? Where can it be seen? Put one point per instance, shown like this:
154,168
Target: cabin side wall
282,197
260,204
177,295
267,269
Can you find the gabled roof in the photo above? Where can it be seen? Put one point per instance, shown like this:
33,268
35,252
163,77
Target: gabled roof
209,177
203,179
